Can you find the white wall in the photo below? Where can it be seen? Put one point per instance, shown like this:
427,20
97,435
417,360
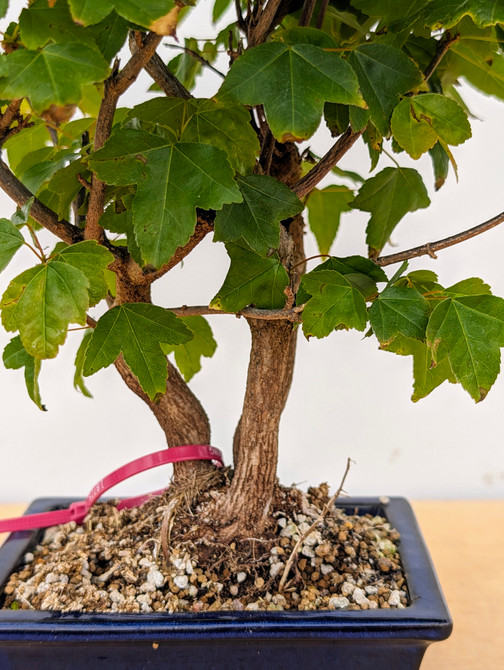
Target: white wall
348,398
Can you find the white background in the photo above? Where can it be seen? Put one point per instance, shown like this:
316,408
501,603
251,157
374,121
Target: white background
348,399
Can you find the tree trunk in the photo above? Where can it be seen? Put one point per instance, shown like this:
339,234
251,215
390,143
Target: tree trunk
246,505
178,412
255,445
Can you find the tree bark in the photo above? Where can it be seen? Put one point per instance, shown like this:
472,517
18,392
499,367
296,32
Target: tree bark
178,412
246,504
255,446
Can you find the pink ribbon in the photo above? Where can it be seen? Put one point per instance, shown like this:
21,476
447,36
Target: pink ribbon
78,510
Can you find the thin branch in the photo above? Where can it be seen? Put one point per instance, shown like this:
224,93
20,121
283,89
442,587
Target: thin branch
198,57
265,23
326,163
430,248
442,47
114,87
322,12
160,73
10,115
239,17
293,314
203,227
39,212
327,508
307,13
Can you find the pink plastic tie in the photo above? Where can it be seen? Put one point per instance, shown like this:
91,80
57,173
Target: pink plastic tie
78,510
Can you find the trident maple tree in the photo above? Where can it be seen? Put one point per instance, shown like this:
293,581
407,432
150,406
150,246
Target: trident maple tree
128,193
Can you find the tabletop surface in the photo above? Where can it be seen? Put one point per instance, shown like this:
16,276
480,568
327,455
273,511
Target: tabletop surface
466,542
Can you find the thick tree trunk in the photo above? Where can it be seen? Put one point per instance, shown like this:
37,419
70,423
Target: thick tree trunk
178,412
246,505
255,446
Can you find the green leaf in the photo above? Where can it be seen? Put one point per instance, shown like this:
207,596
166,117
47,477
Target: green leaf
389,196
427,374
324,211
110,34
172,181
440,164
472,60
447,13
389,11
266,202
41,303
137,330
384,74
4,4
292,82
53,75
16,357
413,133
62,188
417,123
471,286
188,355
470,330
42,22
26,142
251,280
399,311
335,303
219,8
80,357
10,241
138,12
92,260
225,126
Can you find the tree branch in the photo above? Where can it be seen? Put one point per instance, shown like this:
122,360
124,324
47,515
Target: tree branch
160,73
203,227
293,315
326,163
197,57
430,248
114,87
307,13
322,12
18,192
442,47
265,23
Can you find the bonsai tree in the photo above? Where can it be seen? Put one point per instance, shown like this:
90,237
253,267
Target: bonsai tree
129,192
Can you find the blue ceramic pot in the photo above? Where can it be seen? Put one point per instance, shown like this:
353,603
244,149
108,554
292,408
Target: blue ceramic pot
386,639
